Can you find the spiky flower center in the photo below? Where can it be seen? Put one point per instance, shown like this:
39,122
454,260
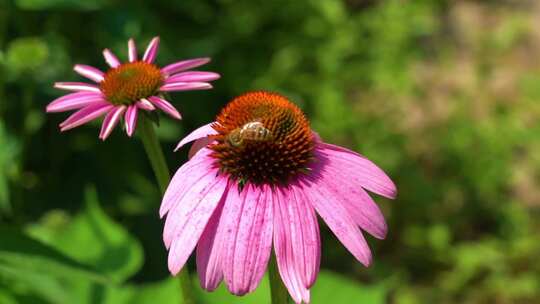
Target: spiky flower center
262,138
129,82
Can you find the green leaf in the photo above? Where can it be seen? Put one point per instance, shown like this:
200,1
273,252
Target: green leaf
222,295
329,288
333,288
38,268
166,291
93,238
28,255
41,284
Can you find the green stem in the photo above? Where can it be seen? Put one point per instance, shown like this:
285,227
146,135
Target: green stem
154,152
277,289
157,161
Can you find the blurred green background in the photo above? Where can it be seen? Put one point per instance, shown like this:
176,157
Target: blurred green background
444,95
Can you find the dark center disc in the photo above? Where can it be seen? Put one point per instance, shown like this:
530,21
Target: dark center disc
263,138
129,82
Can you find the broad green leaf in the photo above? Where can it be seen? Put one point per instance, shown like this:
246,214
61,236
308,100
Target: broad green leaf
93,238
39,269
166,291
222,295
333,288
329,288
40,284
27,255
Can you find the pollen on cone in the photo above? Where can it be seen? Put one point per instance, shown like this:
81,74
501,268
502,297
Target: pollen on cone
131,82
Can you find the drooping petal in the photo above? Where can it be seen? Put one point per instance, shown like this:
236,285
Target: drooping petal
356,201
74,101
85,115
131,119
145,104
359,169
265,235
89,72
185,86
198,145
193,76
165,106
77,86
248,238
184,178
110,58
201,132
210,250
185,196
305,236
286,250
187,219
184,65
110,121
151,50
132,50
337,218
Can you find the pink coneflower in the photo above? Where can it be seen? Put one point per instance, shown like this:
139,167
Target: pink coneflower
126,88
258,175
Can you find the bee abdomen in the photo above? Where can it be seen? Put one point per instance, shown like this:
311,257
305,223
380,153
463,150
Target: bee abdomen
252,131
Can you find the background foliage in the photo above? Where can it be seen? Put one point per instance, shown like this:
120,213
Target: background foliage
444,95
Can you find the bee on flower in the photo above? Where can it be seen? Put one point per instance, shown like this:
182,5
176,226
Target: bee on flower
256,180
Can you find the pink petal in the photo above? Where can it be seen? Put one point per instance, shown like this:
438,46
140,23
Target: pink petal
188,174
77,86
132,50
201,132
198,145
286,233
193,76
337,218
356,201
151,50
186,221
165,106
306,234
74,101
184,65
184,193
185,86
110,58
359,169
85,115
110,121
145,104
210,250
131,119
89,72
248,237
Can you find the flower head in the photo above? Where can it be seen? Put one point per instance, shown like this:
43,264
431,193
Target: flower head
126,88
257,178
